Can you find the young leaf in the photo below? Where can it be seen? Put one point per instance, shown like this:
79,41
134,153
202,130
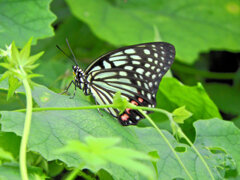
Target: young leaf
181,114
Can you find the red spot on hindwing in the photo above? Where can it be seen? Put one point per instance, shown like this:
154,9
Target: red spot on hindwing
124,117
134,102
140,100
128,110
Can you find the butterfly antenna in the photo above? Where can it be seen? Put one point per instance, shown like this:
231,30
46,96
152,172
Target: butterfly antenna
66,54
74,58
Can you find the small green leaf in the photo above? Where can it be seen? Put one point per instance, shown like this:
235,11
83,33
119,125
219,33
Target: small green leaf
120,102
25,52
181,114
14,83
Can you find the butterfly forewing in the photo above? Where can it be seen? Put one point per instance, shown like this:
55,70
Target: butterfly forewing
135,71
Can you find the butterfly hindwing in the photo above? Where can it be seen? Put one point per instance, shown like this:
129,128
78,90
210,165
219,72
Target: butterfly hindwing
135,71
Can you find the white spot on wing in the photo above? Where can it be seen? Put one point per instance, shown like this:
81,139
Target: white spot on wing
135,57
119,63
150,59
106,65
146,51
117,58
149,96
117,54
154,76
96,68
150,84
140,70
128,68
122,73
138,83
129,51
156,55
148,74
147,65
136,62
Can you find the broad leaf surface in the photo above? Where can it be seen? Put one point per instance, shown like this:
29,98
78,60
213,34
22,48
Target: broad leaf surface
50,130
192,27
219,133
20,20
173,94
227,100
12,171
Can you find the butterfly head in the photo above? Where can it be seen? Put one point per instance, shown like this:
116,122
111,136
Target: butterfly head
79,76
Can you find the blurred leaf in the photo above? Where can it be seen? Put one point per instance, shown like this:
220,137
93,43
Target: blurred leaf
55,66
11,171
21,20
97,153
227,98
236,121
55,168
192,27
51,130
10,142
181,114
5,155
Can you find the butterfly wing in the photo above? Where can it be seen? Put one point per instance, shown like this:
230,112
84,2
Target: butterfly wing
135,71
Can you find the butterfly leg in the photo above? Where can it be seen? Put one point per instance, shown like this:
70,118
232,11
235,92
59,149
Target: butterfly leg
66,90
74,92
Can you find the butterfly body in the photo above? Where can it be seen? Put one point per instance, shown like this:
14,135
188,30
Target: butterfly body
135,71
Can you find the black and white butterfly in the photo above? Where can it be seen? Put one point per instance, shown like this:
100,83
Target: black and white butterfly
135,71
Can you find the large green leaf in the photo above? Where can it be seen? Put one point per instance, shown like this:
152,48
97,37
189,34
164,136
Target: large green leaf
227,98
192,26
173,94
20,20
12,171
218,133
210,133
51,130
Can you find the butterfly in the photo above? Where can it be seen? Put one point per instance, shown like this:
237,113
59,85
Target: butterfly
135,71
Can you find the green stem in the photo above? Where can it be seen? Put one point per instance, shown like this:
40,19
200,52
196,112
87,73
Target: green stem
67,108
206,74
198,153
26,130
77,171
168,143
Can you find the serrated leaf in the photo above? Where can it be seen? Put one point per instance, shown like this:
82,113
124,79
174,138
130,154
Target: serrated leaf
14,83
181,114
28,19
25,51
201,24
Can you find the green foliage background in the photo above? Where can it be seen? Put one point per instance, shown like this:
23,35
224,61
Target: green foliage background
195,28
